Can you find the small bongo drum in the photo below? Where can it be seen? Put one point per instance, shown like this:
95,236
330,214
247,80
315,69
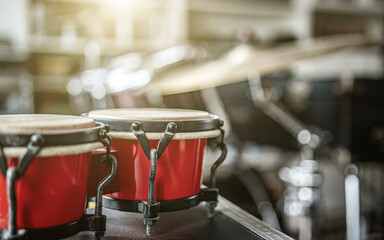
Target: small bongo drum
160,159
44,163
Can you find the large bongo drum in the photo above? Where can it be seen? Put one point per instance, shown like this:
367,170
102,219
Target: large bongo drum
161,158
44,162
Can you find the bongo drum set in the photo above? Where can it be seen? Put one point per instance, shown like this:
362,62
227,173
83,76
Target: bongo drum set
45,165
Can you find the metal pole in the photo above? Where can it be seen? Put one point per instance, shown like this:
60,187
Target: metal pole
352,203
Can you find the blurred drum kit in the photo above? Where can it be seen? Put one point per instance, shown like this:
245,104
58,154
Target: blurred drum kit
277,96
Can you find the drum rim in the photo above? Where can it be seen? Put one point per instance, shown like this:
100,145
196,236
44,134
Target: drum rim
55,138
159,126
54,151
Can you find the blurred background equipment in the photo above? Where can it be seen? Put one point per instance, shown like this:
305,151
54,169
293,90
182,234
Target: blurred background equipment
298,83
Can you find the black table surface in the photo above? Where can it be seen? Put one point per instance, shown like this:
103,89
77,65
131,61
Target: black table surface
230,222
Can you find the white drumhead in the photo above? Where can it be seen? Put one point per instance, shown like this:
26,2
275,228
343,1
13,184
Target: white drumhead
42,123
159,114
149,114
46,123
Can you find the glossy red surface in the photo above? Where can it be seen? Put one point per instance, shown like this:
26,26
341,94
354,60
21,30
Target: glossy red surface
51,192
179,169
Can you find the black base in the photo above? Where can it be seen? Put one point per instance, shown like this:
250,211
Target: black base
207,195
86,223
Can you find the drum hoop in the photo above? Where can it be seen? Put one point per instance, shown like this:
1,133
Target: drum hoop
71,137
159,126
124,135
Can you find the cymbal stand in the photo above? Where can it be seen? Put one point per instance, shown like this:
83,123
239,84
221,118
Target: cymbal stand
304,178
352,202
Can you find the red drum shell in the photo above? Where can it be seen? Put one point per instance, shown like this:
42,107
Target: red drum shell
51,192
179,169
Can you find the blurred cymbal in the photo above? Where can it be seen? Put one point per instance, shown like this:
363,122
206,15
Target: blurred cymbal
244,60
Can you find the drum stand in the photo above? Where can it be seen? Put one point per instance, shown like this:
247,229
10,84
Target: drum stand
352,202
34,143
151,207
304,177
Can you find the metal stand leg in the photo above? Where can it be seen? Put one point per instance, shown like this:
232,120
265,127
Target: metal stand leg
352,202
103,183
151,213
211,205
12,232
99,219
